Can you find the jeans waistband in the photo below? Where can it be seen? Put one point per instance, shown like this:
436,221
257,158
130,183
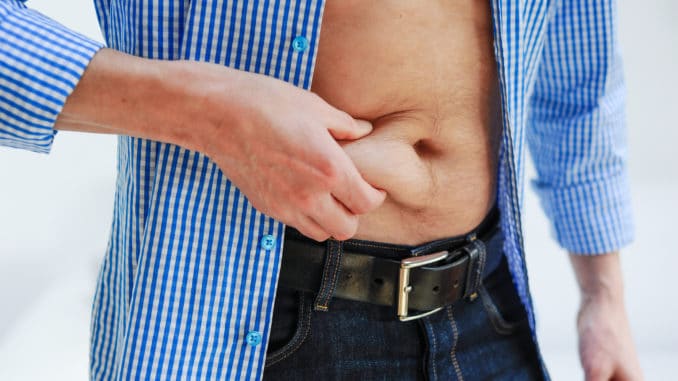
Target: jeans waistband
489,229
364,270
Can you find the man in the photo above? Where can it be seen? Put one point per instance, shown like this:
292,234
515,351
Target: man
413,138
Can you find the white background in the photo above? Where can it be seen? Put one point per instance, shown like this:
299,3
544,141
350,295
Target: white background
55,215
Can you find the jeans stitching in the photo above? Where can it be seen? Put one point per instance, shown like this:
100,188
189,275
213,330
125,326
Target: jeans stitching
477,259
453,351
337,265
323,297
362,244
299,337
483,260
323,284
434,350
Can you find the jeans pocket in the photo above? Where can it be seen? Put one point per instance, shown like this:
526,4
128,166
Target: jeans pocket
502,304
290,326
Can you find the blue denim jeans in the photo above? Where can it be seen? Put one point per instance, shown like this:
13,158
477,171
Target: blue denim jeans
487,338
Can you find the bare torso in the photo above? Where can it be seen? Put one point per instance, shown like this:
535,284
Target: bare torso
423,72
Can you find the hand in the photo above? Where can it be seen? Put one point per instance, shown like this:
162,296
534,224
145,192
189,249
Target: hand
278,144
606,347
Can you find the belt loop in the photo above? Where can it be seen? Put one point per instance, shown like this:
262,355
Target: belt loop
477,256
331,267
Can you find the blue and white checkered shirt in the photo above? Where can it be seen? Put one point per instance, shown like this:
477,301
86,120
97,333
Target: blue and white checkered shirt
187,285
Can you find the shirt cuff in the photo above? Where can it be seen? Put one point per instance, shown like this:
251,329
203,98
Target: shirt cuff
41,62
590,218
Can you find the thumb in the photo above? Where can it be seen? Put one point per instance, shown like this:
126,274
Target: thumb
354,129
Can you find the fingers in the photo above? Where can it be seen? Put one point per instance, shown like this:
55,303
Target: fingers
356,194
592,376
329,219
335,218
346,183
308,227
335,213
347,128
607,369
630,373
598,368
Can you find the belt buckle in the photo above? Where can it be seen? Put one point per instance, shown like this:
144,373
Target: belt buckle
404,287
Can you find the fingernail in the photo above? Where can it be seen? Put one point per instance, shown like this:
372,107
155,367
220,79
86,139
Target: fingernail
363,124
382,193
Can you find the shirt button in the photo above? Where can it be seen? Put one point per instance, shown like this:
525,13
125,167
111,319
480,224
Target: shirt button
253,338
268,242
300,43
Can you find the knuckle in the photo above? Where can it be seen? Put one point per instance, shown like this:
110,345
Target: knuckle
361,206
288,192
347,231
332,180
305,201
305,231
342,235
331,173
594,373
318,236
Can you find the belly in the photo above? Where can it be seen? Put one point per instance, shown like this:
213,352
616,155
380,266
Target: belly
423,72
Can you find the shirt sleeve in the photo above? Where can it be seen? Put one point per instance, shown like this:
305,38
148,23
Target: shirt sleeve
41,62
576,129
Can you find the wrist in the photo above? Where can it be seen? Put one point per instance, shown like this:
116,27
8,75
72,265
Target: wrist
200,99
599,277
174,102
602,295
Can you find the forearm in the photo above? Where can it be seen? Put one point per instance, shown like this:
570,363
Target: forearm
599,276
127,95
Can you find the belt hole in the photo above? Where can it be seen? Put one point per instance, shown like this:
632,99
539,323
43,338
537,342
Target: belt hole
379,281
456,283
436,289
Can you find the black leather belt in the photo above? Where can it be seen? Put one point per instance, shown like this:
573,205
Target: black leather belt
435,275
